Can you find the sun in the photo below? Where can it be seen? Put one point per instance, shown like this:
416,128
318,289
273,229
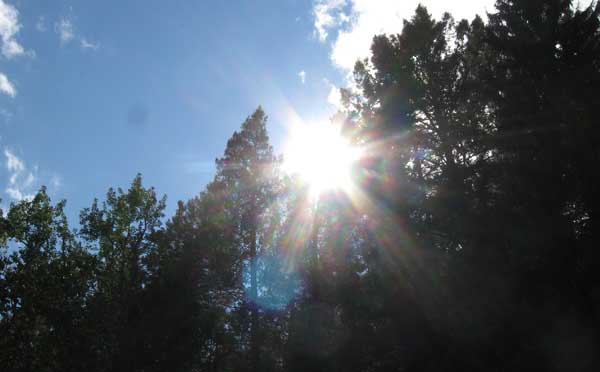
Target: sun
321,156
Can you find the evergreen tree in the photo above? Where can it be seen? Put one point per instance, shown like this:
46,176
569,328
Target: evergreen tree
246,184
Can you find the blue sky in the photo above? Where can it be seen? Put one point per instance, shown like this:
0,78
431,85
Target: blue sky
93,92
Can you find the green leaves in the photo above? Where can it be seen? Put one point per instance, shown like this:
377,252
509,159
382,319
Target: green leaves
471,243
45,286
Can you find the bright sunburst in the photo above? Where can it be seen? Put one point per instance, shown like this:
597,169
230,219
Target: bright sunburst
321,156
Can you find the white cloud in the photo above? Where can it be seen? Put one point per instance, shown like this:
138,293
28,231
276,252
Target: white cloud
367,18
14,193
20,179
23,181
6,86
302,76
65,31
13,163
334,97
85,44
328,13
9,27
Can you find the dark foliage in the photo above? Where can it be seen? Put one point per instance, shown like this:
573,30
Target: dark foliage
473,244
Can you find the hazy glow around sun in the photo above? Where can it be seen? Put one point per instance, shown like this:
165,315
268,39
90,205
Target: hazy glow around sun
320,155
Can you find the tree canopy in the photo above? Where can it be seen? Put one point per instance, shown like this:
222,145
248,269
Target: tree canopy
471,244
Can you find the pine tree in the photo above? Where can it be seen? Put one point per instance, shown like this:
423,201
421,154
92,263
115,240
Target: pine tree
247,179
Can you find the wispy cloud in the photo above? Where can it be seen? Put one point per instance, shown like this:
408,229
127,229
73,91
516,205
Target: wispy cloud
85,44
65,31
55,182
328,14
13,163
20,178
40,24
6,86
357,21
302,76
9,27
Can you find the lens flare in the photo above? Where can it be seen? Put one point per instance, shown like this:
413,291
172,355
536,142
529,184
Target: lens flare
278,286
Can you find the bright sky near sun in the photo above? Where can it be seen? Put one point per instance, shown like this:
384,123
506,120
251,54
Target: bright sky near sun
93,92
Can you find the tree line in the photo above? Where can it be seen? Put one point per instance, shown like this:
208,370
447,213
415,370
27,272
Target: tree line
471,242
